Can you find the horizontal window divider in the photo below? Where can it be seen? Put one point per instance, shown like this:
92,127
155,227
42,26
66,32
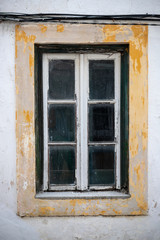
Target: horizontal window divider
61,101
101,101
101,187
61,143
57,187
101,143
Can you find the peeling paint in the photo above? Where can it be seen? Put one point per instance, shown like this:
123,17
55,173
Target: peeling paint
43,28
137,37
60,28
31,62
20,35
28,116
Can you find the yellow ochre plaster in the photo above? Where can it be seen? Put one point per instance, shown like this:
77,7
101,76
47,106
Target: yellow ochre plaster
60,28
137,38
43,28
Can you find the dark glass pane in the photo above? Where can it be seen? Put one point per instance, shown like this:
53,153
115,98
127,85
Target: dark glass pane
61,122
61,79
101,165
101,122
62,164
101,79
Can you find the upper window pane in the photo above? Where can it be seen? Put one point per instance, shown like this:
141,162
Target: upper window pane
61,79
101,79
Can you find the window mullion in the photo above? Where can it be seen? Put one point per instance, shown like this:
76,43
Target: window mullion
45,122
83,123
117,119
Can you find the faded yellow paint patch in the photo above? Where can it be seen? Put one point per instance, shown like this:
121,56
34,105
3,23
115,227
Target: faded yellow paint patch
43,28
117,212
27,204
46,210
60,28
136,213
110,32
20,35
144,136
28,116
31,62
16,50
137,169
17,90
141,35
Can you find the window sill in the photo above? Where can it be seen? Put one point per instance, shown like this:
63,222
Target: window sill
87,195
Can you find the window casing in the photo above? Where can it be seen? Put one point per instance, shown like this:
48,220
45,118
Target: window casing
86,118
131,41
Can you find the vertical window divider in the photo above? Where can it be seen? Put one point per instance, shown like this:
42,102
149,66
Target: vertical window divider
78,123
117,118
45,122
83,122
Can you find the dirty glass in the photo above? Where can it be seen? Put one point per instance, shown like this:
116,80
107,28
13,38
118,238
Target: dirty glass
101,79
61,79
101,165
101,122
61,122
62,164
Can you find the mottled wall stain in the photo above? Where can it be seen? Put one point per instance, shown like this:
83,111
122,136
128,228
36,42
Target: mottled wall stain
60,28
137,37
31,62
43,28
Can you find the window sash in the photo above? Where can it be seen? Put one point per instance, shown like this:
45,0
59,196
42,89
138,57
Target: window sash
82,103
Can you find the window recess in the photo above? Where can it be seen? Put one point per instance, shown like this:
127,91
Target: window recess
81,121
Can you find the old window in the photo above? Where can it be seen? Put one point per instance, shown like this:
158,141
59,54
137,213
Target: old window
81,121
129,41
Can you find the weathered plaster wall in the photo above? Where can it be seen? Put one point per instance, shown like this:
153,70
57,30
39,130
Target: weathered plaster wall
114,228
81,6
7,116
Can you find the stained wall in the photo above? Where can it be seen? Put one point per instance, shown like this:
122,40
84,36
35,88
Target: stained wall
144,227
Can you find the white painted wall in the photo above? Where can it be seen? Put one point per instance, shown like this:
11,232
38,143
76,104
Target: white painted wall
81,6
113,228
7,116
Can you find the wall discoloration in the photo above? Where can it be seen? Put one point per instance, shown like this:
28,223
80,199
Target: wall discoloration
136,36
43,28
60,28
31,62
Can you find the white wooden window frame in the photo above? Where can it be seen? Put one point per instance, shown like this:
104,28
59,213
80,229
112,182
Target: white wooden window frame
81,101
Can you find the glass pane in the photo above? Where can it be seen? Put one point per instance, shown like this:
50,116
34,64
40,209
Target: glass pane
62,164
101,122
61,79
101,79
61,122
101,165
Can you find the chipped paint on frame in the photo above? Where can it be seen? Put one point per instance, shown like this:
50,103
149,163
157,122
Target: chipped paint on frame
137,37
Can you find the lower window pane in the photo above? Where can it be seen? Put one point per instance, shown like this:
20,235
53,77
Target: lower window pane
101,165
62,164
